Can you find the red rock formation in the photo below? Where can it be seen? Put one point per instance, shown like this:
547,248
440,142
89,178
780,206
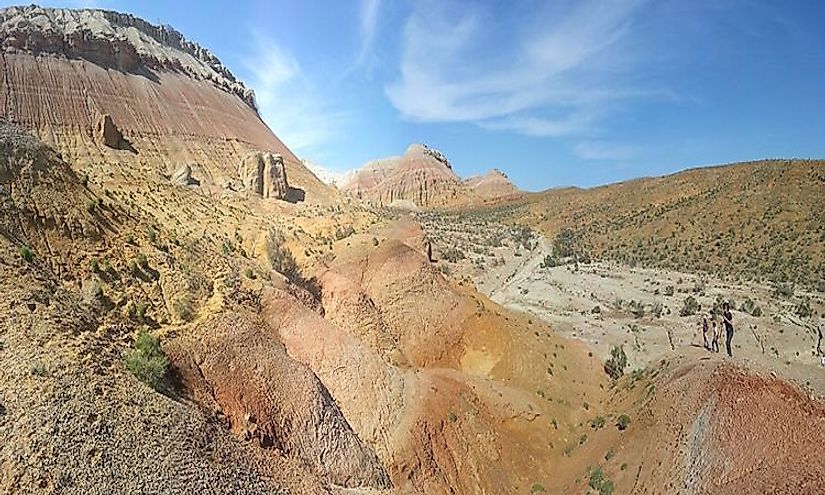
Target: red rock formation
422,176
171,99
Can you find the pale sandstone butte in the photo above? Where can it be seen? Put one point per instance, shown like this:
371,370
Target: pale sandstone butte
494,184
172,99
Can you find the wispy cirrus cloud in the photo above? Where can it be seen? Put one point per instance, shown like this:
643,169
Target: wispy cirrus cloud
288,100
369,11
596,150
549,74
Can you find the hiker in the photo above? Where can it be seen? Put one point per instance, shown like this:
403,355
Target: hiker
705,328
717,332
727,316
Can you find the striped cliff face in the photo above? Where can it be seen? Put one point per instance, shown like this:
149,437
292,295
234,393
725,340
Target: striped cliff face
172,100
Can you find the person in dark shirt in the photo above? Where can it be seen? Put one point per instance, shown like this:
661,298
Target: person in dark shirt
727,317
705,329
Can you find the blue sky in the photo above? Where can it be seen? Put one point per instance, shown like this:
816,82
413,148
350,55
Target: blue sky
554,93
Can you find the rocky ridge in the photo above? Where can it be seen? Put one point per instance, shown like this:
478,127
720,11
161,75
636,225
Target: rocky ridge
116,40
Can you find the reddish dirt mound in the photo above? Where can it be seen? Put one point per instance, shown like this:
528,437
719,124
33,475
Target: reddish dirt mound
711,428
237,366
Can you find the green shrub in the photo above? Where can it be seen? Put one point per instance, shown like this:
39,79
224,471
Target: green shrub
690,307
549,261
453,255
37,368
279,256
249,273
140,311
26,253
803,309
597,422
596,478
669,290
97,291
598,481
785,290
616,363
182,306
147,360
537,488
623,422
90,205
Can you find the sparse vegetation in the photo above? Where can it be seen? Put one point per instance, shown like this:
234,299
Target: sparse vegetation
537,488
616,363
147,360
183,308
26,253
623,422
803,309
596,479
38,368
453,255
280,257
549,261
690,307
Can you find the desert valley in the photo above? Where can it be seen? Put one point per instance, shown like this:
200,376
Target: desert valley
185,307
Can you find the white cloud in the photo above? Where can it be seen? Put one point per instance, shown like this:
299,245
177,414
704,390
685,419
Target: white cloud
573,123
289,103
591,150
368,25
550,75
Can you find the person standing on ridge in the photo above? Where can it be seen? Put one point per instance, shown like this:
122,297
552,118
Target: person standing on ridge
727,317
705,328
717,332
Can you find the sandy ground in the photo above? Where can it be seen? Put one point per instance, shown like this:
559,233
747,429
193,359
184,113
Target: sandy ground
778,342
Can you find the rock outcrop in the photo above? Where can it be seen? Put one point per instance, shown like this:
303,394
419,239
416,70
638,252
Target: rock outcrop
183,176
107,133
264,175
